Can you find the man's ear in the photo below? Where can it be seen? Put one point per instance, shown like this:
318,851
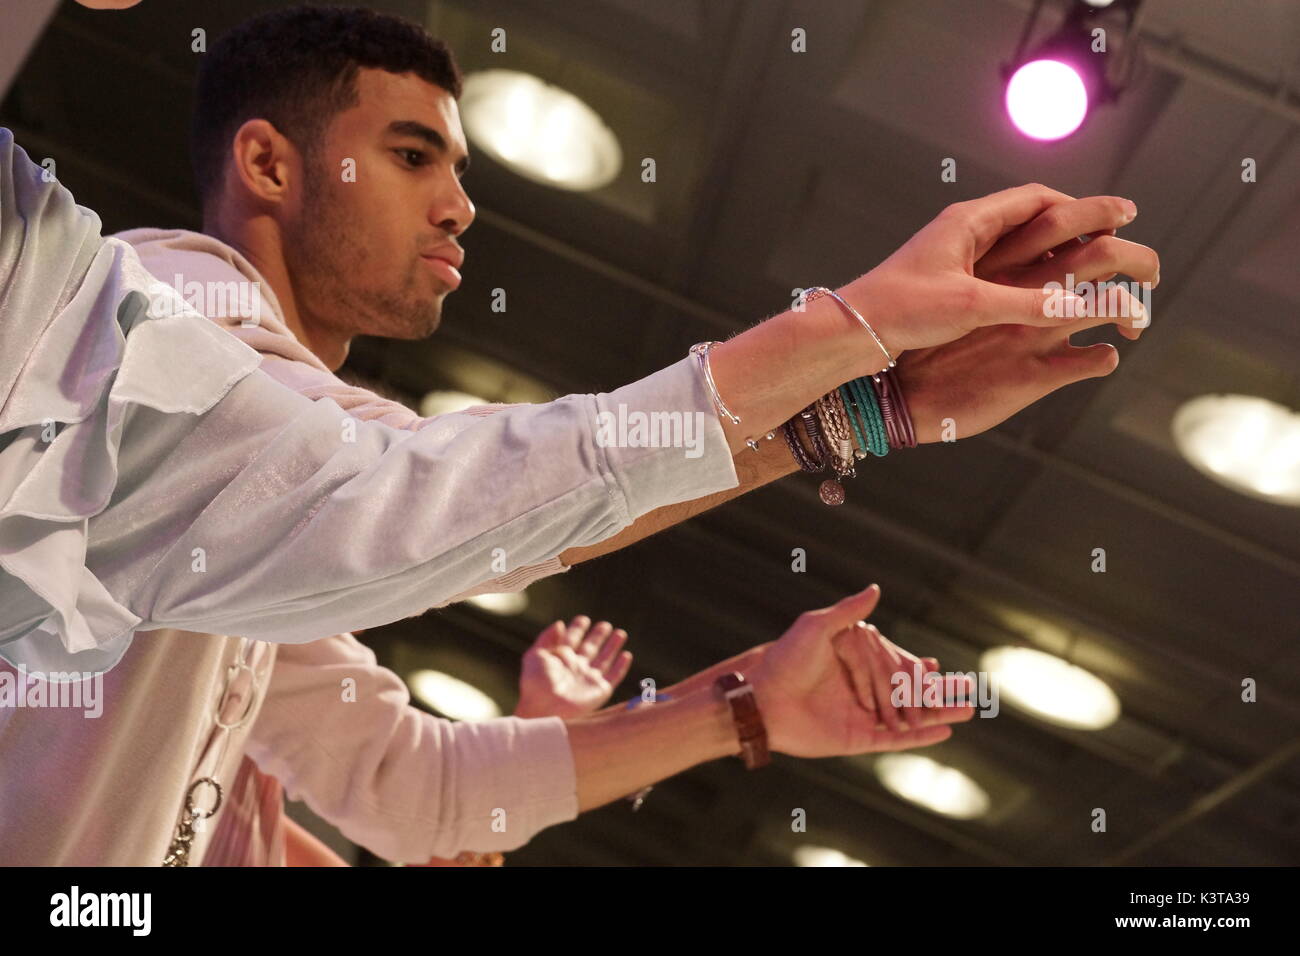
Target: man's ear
263,162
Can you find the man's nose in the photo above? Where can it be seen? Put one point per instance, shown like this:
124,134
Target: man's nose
455,213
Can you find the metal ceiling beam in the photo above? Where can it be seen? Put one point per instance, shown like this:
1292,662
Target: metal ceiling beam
721,322
23,29
1141,499
38,144
1209,802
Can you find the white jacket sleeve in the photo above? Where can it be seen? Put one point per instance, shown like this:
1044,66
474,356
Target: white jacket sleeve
306,521
340,733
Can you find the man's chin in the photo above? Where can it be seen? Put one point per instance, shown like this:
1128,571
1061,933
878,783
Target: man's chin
414,329
390,317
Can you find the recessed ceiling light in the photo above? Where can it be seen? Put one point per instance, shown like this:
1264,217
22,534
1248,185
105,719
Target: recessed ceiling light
1051,688
451,696
942,789
542,132
823,856
504,603
1243,442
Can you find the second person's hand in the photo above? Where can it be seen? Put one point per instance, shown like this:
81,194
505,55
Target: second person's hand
572,669
825,687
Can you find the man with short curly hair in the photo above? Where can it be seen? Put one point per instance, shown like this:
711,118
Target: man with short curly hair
337,257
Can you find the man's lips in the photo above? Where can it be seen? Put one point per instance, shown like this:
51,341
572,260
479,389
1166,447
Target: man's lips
450,251
445,267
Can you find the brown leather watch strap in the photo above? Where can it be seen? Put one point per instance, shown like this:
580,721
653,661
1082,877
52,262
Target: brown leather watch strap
749,722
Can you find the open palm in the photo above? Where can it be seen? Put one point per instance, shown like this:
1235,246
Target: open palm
572,669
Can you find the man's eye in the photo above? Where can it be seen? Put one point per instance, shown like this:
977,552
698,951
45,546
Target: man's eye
412,156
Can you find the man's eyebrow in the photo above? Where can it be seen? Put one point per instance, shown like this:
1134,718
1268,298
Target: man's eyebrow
430,136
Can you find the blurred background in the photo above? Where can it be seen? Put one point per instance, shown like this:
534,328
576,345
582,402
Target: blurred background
776,170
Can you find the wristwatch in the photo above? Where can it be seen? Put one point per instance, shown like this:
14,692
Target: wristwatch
749,722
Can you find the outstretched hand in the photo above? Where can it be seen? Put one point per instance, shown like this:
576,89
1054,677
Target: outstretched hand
824,688
940,284
986,376
572,669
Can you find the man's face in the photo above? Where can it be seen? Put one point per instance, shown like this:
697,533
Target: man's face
362,250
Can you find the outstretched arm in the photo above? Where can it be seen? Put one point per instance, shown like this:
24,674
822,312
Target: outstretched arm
411,786
979,380
822,690
753,470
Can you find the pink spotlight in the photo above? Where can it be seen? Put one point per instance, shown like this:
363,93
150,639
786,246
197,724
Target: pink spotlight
1046,99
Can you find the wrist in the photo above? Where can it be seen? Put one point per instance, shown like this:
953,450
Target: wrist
751,734
528,709
617,752
721,726
769,697
884,315
925,422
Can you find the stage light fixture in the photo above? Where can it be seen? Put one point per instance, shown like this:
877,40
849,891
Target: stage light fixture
1051,87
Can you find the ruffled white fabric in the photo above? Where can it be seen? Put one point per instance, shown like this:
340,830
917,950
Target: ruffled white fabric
86,335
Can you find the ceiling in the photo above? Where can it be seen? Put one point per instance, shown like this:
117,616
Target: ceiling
778,170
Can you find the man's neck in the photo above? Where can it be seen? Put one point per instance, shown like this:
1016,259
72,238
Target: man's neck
259,242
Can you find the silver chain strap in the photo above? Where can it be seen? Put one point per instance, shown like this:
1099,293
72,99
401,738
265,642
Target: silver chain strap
192,822
194,818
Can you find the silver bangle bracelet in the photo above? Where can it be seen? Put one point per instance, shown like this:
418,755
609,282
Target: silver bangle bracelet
701,352
821,290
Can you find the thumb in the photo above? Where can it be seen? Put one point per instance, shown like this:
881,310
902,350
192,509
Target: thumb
1043,308
1075,363
850,610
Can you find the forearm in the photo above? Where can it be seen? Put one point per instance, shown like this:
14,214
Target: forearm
617,751
779,367
302,848
753,469
703,680
765,375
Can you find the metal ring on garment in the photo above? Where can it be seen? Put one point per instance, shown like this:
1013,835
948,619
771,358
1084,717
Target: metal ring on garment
189,798
232,673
